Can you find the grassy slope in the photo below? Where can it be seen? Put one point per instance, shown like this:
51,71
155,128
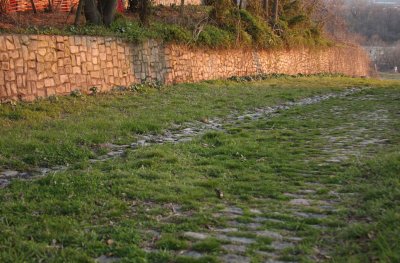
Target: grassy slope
46,133
69,216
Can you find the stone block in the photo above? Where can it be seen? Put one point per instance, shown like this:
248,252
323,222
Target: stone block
19,70
2,81
19,62
74,49
95,52
9,43
42,76
31,75
49,82
95,74
10,76
60,62
103,56
17,43
5,65
102,49
3,46
83,57
49,57
42,43
32,56
40,67
4,57
14,54
76,70
50,92
60,90
73,61
68,69
54,68
77,40
41,93
89,66
14,88
60,39
20,81
64,78
115,60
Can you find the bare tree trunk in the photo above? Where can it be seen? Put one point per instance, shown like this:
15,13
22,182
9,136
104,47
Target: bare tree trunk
107,9
133,5
50,6
33,7
92,14
266,8
276,11
144,11
182,7
78,12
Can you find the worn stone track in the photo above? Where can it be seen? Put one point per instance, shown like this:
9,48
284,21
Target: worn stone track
177,135
264,219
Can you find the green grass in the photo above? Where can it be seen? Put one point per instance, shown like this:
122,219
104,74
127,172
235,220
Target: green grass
72,216
376,233
390,76
72,129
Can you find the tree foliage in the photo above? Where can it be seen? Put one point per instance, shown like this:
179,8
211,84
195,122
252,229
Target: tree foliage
374,22
256,23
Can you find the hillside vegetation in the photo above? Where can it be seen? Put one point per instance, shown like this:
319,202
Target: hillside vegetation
220,24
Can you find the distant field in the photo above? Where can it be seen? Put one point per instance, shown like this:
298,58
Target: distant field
391,76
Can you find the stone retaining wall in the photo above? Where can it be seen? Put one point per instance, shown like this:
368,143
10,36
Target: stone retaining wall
33,66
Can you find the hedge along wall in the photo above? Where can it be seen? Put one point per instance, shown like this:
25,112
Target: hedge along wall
33,66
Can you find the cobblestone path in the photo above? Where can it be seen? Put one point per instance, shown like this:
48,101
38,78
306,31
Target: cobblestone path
322,137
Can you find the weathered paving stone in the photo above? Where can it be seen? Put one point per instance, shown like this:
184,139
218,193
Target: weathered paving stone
252,226
310,215
278,261
269,255
293,195
278,245
294,239
239,240
307,191
105,259
259,219
300,201
4,183
327,207
266,219
227,230
115,153
255,211
270,234
152,233
234,248
196,235
232,258
233,210
9,174
192,254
